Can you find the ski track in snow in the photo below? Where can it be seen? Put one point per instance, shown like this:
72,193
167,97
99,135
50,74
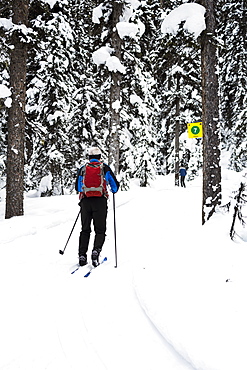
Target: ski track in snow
59,320
118,318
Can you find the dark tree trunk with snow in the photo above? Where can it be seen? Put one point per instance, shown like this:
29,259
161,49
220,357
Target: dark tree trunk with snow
115,92
210,116
16,119
177,131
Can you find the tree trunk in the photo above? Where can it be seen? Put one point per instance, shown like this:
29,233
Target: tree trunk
177,129
115,92
210,116
16,118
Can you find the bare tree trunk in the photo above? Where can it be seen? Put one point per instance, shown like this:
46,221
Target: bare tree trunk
115,92
16,119
177,129
210,116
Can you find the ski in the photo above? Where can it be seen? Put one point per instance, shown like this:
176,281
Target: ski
92,268
88,266
78,267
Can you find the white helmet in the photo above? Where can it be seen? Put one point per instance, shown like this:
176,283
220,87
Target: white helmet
94,151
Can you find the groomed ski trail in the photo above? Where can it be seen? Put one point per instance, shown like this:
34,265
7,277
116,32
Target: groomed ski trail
112,335
58,320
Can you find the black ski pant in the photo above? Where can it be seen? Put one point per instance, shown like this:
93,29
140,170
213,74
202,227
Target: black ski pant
183,181
92,209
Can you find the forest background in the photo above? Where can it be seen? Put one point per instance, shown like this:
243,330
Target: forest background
68,100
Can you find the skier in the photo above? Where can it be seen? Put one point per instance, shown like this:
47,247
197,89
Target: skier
91,183
182,173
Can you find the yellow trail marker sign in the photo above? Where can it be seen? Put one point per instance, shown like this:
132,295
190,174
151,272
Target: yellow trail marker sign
195,129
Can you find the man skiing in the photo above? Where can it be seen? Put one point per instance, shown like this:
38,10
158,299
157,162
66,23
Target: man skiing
91,183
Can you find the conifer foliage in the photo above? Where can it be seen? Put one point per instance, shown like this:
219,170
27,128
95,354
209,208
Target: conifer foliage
232,32
102,73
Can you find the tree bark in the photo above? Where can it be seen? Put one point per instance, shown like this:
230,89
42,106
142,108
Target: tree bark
16,118
177,130
115,91
210,116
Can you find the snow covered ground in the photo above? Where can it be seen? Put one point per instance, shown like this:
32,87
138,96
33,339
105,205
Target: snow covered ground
176,301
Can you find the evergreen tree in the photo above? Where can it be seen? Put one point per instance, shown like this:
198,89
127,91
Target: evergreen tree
233,78
89,111
67,105
71,101
134,93
138,142
50,93
178,91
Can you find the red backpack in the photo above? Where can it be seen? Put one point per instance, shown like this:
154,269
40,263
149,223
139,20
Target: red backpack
93,182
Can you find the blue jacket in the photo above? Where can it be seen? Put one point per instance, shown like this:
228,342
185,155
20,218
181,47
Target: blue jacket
182,171
108,175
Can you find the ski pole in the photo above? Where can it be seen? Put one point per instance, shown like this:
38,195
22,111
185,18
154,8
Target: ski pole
62,252
115,236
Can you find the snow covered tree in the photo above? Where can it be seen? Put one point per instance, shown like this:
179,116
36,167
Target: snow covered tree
123,60
210,115
210,102
107,57
16,118
178,91
115,90
89,111
138,145
135,104
49,96
233,78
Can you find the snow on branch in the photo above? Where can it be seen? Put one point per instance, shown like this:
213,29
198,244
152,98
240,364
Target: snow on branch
130,29
9,25
5,93
114,65
125,28
190,13
97,14
6,23
50,2
103,56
